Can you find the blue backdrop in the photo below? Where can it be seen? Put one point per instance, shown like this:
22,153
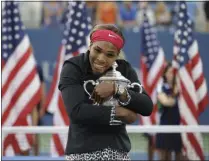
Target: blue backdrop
46,43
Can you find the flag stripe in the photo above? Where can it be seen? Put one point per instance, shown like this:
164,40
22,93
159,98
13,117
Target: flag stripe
13,73
16,83
58,144
18,93
54,81
15,57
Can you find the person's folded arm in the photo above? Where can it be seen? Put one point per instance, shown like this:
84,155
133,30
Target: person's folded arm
140,103
74,98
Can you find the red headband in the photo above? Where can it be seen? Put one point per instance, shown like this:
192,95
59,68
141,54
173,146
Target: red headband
109,36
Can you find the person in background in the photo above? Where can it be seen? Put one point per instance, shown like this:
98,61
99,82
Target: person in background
143,6
104,126
39,111
162,14
206,9
107,13
128,14
52,13
31,13
166,143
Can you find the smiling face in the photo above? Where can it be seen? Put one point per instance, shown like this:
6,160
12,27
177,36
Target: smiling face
102,55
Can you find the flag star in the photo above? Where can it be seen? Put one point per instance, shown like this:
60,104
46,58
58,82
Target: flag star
4,29
89,27
5,55
76,22
185,33
16,19
189,21
149,44
66,32
155,42
189,29
78,42
10,46
183,50
8,12
180,23
17,27
64,41
155,49
89,19
71,39
15,11
81,33
17,36
78,14
83,25
72,12
150,50
74,30
153,36
80,6
189,38
184,42
181,14
69,47
183,6
151,56
4,46
9,37
147,37
4,21
73,4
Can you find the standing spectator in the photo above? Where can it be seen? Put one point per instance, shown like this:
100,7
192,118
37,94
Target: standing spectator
144,7
206,8
91,8
128,14
52,13
166,143
31,13
39,111
107,13
162,14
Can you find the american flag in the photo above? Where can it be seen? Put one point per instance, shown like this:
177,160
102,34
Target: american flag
152,64
20,81
193,96
74,42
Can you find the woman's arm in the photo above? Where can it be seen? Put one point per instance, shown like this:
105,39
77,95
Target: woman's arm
166,100
140,103
75,99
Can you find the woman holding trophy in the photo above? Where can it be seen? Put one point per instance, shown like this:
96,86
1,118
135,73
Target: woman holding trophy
101,95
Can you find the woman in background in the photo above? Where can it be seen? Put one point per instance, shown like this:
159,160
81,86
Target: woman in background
166,143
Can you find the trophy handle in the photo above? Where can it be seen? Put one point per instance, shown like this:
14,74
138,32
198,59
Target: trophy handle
85,83
136,84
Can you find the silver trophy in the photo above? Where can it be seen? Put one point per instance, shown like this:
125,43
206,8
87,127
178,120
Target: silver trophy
112,76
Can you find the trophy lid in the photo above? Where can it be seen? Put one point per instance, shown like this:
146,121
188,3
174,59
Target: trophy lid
114,75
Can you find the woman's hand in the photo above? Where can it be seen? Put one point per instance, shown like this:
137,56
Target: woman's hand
125,115
103,91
